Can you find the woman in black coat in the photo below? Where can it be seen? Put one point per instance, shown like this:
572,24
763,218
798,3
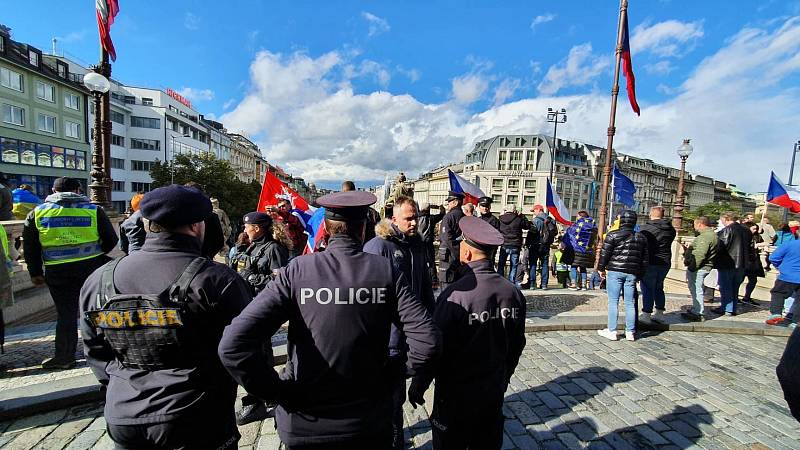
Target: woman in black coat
754,268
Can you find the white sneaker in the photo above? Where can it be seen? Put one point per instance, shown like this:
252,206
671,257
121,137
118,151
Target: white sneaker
608,334
658,316
645,318
629,336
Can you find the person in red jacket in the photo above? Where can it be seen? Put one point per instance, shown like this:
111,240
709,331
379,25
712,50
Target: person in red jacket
294,227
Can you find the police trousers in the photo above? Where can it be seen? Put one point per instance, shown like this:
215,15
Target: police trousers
480,429
217,433
380,441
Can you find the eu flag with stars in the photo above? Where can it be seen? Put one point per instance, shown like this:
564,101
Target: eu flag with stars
623,188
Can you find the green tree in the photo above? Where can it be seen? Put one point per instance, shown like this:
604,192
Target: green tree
217,178
710,210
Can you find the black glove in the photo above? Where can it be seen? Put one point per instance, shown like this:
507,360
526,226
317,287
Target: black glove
416,393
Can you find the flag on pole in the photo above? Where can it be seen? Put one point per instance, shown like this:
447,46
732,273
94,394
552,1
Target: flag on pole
779,194
556,206
627,65
106,11
315,227
458,184
274,190
623,188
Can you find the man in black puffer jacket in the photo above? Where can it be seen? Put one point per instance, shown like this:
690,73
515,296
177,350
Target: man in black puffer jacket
623,261
511,226
659,233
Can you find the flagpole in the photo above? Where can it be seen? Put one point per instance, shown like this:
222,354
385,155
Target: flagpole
623,9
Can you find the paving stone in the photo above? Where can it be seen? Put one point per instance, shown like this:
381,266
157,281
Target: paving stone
105,443
85,440
28,438
268,442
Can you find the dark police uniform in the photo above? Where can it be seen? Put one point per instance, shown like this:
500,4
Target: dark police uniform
186,400
263,257
482,319
490,218
449,235
335,391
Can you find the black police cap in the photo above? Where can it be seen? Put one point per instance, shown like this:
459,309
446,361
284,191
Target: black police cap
257,218
348,205
485,201
452,195
175,205
479,233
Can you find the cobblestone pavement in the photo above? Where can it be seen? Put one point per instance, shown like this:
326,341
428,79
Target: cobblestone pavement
573,389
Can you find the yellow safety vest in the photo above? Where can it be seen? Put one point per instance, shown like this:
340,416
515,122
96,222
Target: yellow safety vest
67,233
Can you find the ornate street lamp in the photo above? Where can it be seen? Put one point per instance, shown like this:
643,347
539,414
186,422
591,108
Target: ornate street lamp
683,151
99,187
555,117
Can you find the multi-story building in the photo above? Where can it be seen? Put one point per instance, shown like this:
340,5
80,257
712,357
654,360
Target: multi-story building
650,179
43,118
243,157
432,187
218,140
702,192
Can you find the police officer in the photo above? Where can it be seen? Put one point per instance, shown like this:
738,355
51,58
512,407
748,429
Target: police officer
336,388
151,324
482,320
449,235
69,237
264,256
485,212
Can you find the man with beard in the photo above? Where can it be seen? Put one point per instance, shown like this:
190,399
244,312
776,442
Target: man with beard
397,239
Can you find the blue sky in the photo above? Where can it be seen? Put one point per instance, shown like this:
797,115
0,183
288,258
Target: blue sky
336,90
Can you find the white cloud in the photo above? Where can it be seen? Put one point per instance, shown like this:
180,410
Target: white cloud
734,106
579,68
228,103
662,67
191,21
670,38
413,74
196,95
469,88
372,69
544,18
505,90
376,24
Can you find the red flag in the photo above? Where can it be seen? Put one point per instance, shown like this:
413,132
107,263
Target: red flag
627,65
106,11
274,190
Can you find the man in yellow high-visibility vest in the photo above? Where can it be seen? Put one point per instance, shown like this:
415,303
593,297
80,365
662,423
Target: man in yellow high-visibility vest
65,239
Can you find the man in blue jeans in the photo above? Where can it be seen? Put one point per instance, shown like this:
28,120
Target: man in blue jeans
660,234
541,236
699,260
511,226
733,241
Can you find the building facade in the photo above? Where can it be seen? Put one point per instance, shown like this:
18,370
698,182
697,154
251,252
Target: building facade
44,131
244,154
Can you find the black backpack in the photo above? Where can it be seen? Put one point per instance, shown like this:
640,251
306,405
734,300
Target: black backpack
146,331
548,233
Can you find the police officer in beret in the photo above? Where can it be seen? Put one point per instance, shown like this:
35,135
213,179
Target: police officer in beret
336,388
482,319
449,235
151,323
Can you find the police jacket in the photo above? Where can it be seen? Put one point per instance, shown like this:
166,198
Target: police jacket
408,256
511,226
481,316
426,224
33,246
132,233
625,250
340,305
733,242
215,296
449,236
659,233
493,221
259,261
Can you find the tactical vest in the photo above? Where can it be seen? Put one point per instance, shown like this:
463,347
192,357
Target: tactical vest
67,233
560,267
146,331
246,265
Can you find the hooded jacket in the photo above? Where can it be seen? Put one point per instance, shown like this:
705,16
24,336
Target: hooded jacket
732,247
625,250
407,254
132,233
511,226
659,233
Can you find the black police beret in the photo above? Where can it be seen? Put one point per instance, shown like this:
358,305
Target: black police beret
348,205
66,184
479,233
175,205
257,218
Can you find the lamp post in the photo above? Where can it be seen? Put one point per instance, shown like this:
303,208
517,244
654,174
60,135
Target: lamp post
99,187
677,217
172,157
555,117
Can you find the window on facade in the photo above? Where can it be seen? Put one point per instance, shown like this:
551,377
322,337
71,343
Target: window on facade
501,155
117,163
117,140
11,79
43,155
516,155
46,92
147,101
513,184
72,129
2,44
145,144
141,187
46,123
583,204
118,186
10,150
70,161
497,183
501,166
511,199
141,166
118,117
62,69
530,185
33,58
27,153
14,115
129,100
497,198
72,101
58,156
517,166
145,122
528,199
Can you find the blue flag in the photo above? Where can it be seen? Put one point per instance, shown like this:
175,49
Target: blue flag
623,188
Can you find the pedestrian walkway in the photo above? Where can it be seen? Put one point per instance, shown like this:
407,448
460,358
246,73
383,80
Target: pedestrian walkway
572,389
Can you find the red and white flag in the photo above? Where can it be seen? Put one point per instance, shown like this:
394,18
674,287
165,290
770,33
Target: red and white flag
274,190
106,11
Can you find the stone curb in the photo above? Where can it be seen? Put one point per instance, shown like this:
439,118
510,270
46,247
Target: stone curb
596,322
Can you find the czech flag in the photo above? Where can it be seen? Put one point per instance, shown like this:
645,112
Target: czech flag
779,194
627,65
556,206
471,192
